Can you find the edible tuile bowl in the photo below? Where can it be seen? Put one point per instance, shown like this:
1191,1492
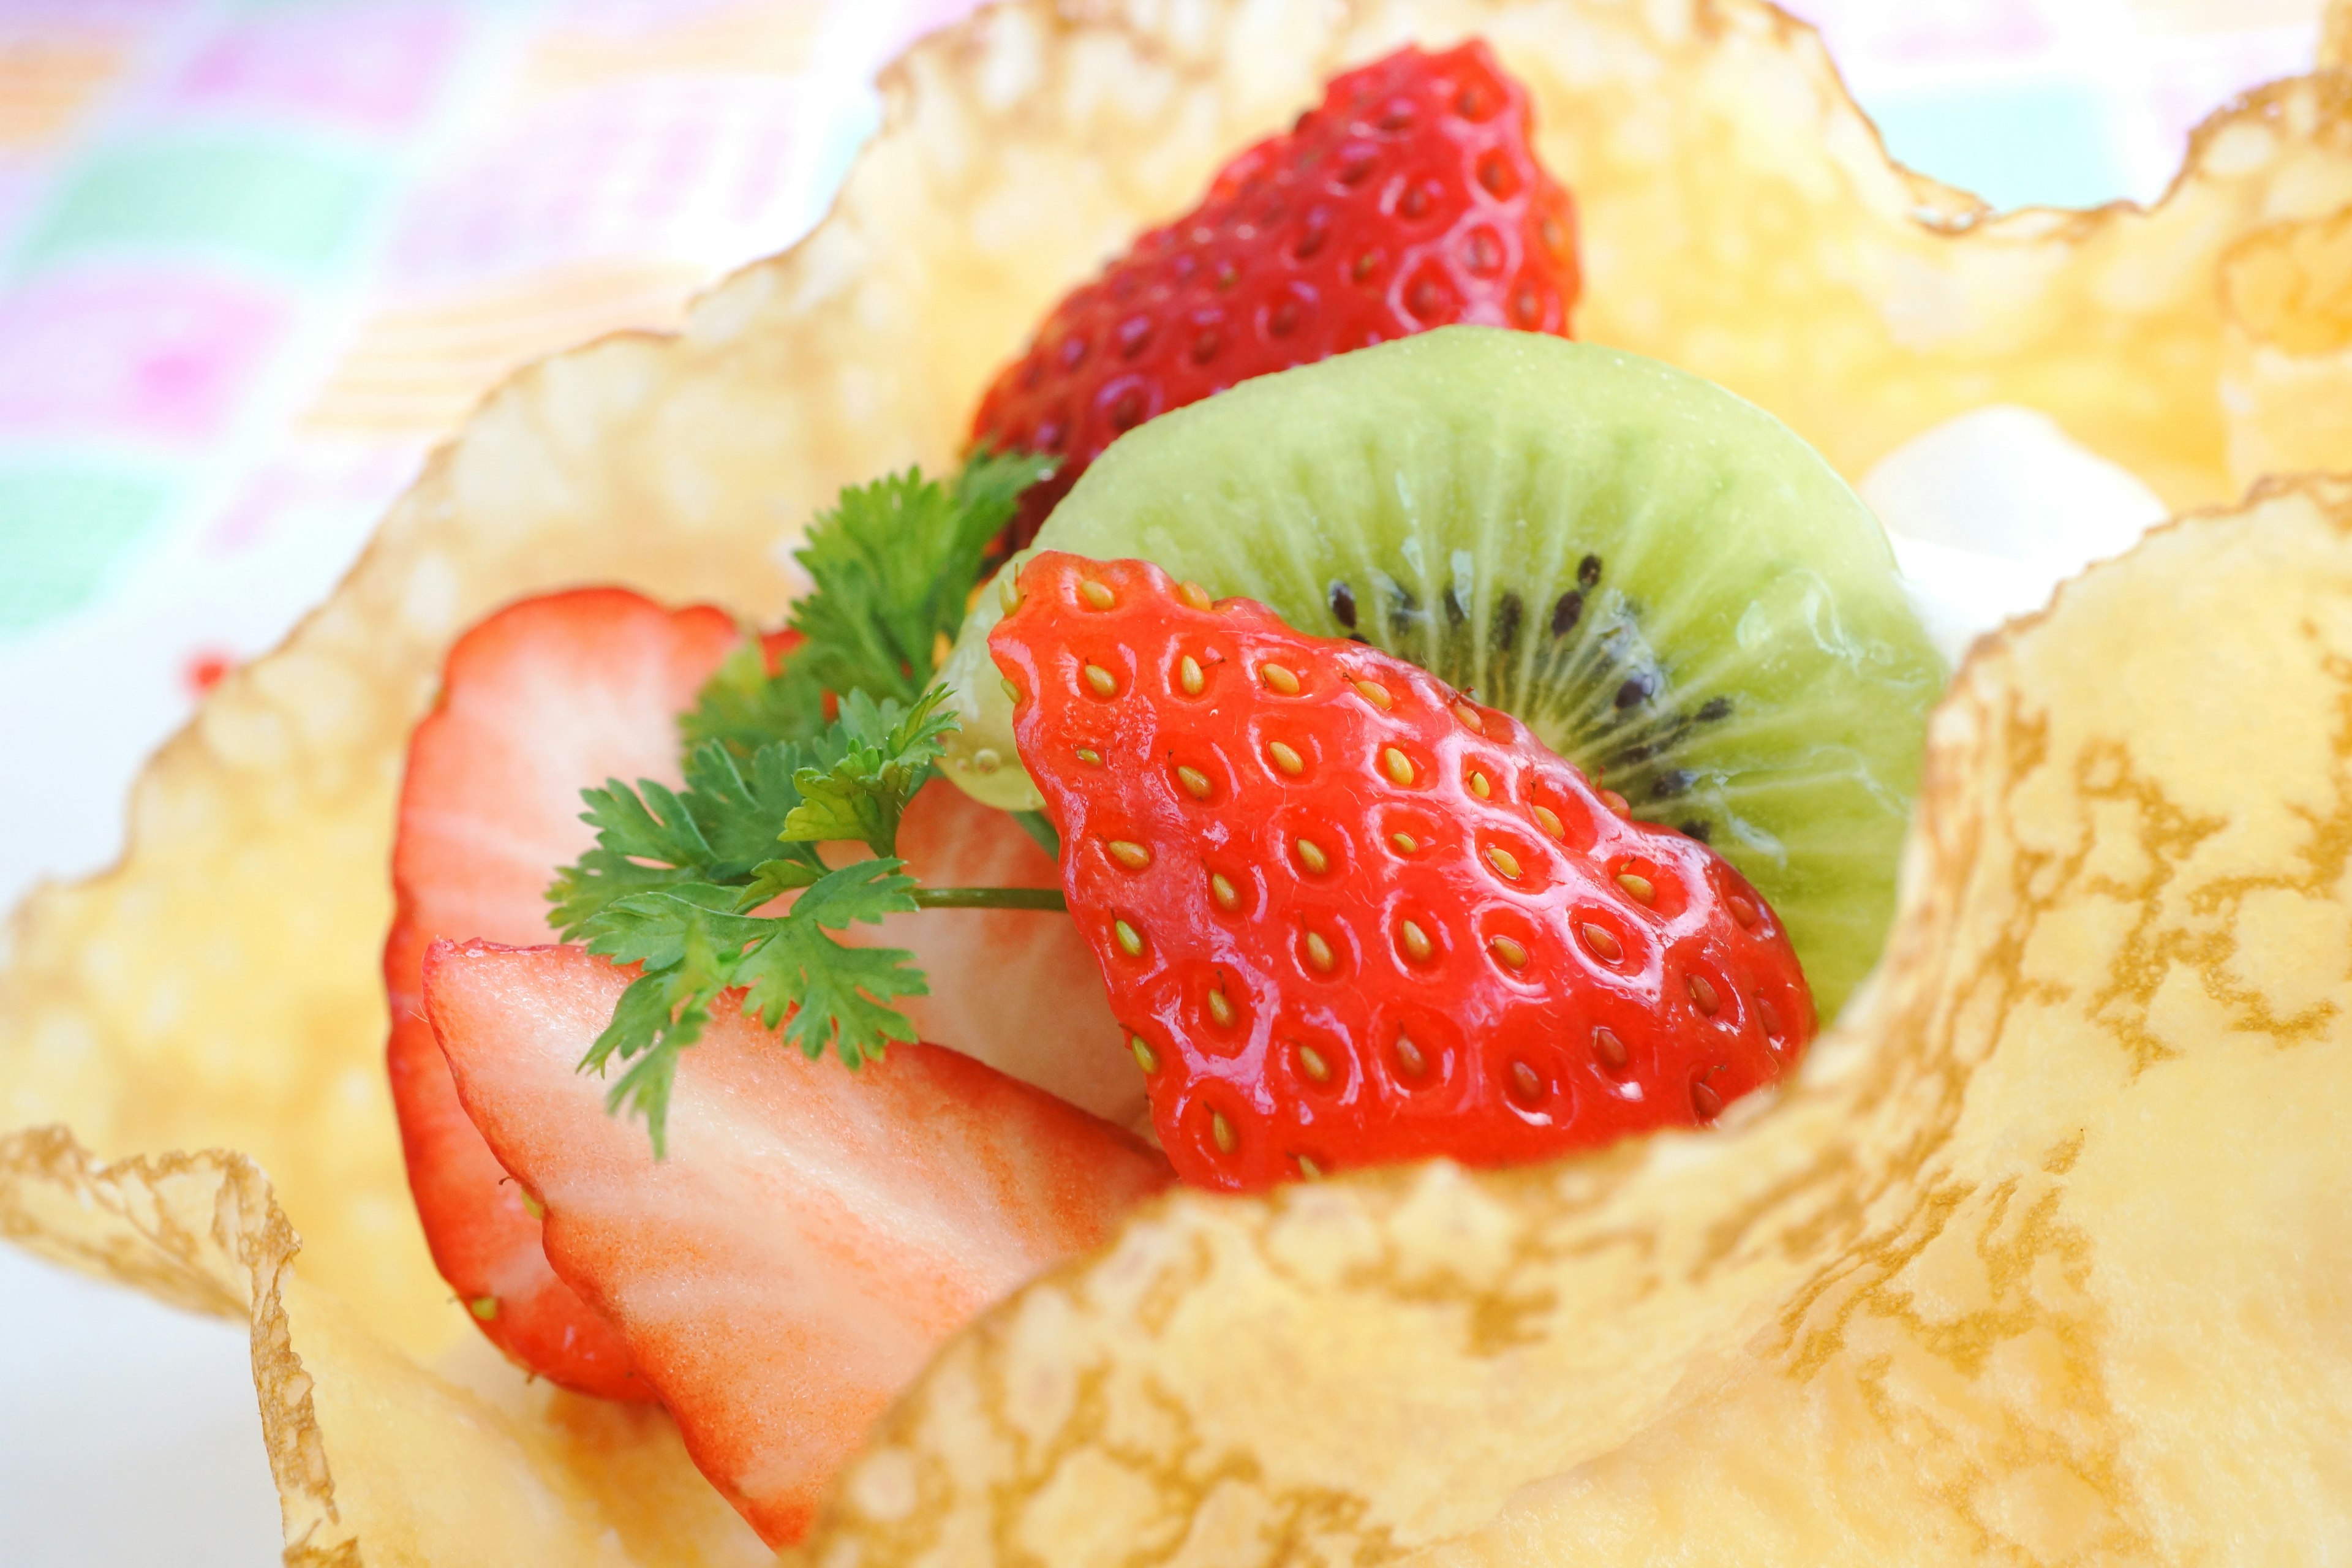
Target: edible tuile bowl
2037,1259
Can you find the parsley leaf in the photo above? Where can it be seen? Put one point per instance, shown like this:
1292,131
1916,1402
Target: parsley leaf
646,838
693,945
722,827
675,876
886,756
742,707
890,568
741,802
658,1016
839,992
829,749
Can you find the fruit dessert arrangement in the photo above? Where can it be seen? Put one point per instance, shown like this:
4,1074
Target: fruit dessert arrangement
1419,833
1021,986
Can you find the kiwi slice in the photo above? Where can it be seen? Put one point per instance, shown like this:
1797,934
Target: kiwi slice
1664,583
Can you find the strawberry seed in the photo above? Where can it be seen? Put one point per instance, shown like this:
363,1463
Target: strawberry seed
1525,1083
1417,945
1410,1061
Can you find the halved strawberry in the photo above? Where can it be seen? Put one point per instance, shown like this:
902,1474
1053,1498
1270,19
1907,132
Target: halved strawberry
541,698
815,1232
1410,198
1349,916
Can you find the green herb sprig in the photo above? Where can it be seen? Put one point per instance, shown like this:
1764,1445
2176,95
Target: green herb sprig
828,749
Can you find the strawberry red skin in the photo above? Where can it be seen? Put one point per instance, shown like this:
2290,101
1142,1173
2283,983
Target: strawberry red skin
1409,199
814,1234
1509,1061
541,699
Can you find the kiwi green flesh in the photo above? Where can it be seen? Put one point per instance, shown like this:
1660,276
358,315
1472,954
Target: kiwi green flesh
1667,585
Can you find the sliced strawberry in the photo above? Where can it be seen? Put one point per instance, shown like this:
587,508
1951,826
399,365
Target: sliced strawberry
553,694
814,1234
1411,198
540,699
1348,916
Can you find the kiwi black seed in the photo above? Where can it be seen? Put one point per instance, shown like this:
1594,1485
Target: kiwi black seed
1667,584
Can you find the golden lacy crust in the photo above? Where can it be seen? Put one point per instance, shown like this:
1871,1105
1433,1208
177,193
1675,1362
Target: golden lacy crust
218,988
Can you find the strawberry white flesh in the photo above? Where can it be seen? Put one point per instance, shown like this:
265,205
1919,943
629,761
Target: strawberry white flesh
814,1234
1016,988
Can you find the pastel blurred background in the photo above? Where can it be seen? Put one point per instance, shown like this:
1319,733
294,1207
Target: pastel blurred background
256,258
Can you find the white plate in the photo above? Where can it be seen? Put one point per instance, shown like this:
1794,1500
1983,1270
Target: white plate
130,1432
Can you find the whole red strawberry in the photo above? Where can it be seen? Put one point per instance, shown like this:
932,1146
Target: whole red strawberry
1349,917
1409,199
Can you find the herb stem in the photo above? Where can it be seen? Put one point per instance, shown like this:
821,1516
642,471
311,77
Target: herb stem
991,899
